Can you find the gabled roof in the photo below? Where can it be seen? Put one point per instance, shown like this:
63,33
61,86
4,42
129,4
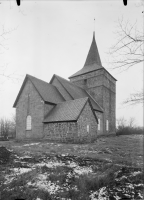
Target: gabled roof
77,92
93,61
48,92
66,111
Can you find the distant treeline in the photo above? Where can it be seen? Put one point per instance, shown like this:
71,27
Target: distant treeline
8,127
125,127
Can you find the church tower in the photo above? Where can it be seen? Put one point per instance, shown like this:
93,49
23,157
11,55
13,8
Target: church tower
100,84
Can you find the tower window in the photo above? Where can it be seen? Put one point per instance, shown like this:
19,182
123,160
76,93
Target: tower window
87,128
28,123
107,125
99,124
85,81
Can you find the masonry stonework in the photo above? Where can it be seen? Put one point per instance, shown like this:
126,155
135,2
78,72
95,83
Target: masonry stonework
61,132
73,131
33,106
87,125
101,86
30,103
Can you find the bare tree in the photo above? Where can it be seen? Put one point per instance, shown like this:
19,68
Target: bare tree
8,127
135,98
121,122
4,127
4,74
127,52
131,122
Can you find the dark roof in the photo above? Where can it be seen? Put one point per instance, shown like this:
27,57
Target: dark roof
87,69
90,69
49,93
66,111
77,92
93,61
93,54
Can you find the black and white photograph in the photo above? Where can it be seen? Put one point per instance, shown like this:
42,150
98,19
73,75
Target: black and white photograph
71,100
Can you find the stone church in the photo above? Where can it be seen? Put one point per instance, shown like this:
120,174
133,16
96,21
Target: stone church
68,111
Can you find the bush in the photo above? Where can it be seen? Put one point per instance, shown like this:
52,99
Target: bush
127,130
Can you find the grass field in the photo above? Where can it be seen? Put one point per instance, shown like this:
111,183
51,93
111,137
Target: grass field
111,168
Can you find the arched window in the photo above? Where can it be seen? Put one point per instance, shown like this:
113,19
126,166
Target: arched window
28,123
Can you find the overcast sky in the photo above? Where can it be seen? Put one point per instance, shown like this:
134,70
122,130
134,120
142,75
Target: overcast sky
54,38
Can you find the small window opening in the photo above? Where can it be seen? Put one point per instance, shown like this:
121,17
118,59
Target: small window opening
88,128
107,125
28,123
85,81
99,124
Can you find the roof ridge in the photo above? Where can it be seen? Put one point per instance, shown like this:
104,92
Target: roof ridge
30,76
69,82
94,100
73,100
58,77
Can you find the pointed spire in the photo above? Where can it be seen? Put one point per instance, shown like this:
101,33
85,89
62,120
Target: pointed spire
93,54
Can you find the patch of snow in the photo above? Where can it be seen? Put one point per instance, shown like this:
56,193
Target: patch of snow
83,170
63,154
50,164
25,145
121,178
16,156
10,150
136,173
88,151
129,185
140,196
38,198
9,179
66,154
108,160
117,197
73,164
80,170
58,145
50,143
139,185
25,157
21,170
101,194
42,183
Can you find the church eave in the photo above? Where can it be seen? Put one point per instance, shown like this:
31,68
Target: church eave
59,121
73,76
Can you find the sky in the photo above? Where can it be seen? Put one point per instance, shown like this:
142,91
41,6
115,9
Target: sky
54,37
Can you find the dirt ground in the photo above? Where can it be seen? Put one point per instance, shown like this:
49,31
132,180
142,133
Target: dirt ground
111,168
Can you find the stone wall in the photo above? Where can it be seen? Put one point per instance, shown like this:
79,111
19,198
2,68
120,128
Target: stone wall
73,132
87,125
62,132
102,87
33,106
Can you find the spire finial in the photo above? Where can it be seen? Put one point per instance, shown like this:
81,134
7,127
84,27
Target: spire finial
94,28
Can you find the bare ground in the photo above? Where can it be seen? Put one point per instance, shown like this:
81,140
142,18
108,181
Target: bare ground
110,168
